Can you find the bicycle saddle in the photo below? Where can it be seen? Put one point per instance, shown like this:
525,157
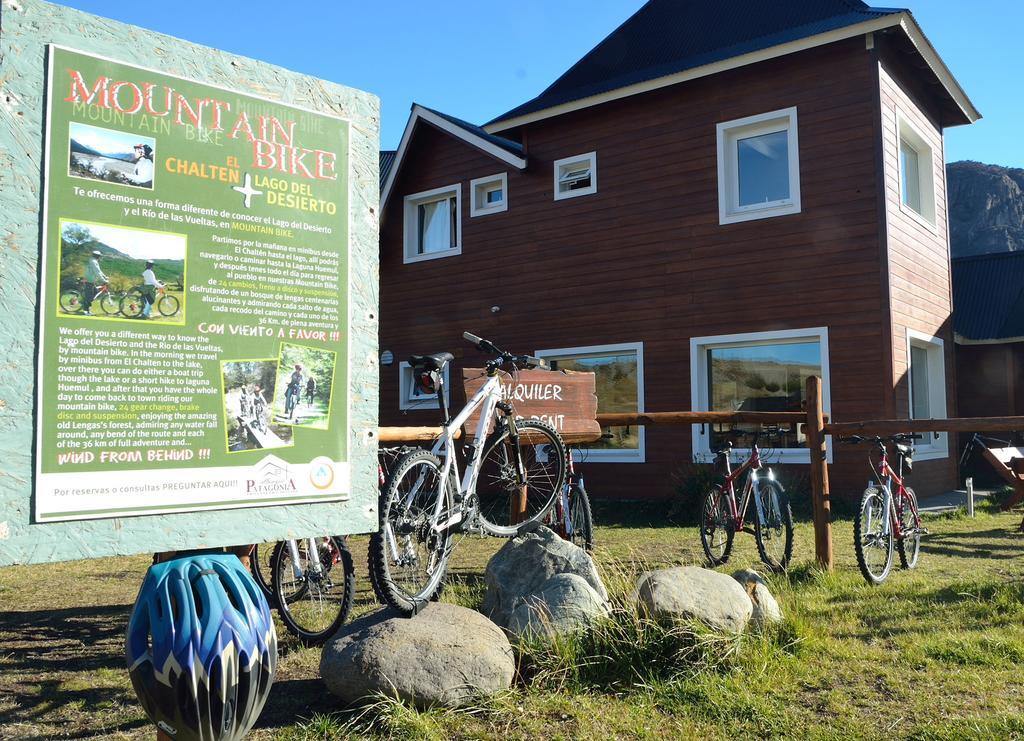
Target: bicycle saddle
437,361
902,449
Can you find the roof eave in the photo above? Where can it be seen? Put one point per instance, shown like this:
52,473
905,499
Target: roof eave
419,113
903,20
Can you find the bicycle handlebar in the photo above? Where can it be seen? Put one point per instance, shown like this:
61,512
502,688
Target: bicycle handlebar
502,356
898,438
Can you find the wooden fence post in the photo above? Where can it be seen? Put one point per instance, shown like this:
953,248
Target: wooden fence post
815,432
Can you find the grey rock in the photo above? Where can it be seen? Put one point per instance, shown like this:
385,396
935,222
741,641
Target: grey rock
766,609
564,604
693,593
446,655
525,563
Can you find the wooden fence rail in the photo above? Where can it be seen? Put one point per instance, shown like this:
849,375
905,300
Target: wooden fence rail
816,427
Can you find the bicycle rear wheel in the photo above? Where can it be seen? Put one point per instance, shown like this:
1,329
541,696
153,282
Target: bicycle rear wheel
909,546
132,305
71,302
775,536
873,545
261,565
314,602
498,487
408,557
717,529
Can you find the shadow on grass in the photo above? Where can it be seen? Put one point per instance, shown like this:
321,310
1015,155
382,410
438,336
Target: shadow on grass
293,699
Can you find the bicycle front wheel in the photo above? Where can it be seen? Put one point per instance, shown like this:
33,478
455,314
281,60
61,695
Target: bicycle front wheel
408,556
314,594
581,518
507,503
909,545
109,305
168,305
774,535
717,529
871,541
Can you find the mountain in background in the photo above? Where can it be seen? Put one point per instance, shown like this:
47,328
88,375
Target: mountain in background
986,208
77,146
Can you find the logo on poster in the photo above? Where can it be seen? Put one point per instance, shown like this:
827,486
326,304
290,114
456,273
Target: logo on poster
272,477
321,472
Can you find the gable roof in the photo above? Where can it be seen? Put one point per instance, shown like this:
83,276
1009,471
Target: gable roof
988,298
502,149
669,41
387,158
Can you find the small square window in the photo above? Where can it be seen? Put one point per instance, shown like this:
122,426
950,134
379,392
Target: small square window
489,194
411,396
917,182
758,167
575,176
433,224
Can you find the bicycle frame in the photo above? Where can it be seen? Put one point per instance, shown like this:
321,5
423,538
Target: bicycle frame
887,476
486,399
739,512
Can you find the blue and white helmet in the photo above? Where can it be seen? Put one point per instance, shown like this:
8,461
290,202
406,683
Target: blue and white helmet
201,648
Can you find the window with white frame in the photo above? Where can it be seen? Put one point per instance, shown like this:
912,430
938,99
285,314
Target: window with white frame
489,195
758,167
576,176
433,223
757,372
619,374
411,395
927,380
917,178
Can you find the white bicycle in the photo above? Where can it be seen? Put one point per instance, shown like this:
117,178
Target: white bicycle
513,472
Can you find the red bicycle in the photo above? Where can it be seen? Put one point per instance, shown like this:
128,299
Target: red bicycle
888,518
722,518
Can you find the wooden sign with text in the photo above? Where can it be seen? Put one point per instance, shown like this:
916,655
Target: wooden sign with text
565,400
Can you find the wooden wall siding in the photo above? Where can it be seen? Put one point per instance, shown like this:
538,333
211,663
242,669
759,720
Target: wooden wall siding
989,380
918,255
645,259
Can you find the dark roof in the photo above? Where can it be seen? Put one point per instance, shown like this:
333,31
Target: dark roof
499,141
988,296
665,37
387,158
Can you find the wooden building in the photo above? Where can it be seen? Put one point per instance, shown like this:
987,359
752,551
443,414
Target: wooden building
718,200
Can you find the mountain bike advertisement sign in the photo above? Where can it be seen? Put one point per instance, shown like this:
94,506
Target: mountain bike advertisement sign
193,304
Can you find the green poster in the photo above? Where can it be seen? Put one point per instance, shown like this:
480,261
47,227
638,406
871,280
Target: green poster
193,349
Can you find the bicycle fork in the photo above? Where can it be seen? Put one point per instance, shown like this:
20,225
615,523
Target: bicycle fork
314,554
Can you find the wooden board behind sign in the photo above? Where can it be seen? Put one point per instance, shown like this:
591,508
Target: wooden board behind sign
564,399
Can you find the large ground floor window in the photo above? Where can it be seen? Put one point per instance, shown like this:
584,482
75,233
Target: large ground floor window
757,372
619,373
926,368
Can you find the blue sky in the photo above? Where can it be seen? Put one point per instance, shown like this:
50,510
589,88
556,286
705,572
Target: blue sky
475,61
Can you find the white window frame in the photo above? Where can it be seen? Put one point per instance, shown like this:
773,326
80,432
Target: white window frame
699,390
929,447
478,190
411,227
906,131
729,133
639,455
405,381
564,164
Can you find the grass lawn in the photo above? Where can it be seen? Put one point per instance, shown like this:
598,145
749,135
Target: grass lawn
934,653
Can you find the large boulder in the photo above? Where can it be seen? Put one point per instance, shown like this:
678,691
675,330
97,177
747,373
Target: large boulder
691,593
522,568
564,604
766,609
446,655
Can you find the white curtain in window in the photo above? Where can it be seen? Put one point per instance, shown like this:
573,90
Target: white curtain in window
435,226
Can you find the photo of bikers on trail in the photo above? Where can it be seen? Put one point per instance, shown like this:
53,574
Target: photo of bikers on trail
113,272
305,376
111,156
248,388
